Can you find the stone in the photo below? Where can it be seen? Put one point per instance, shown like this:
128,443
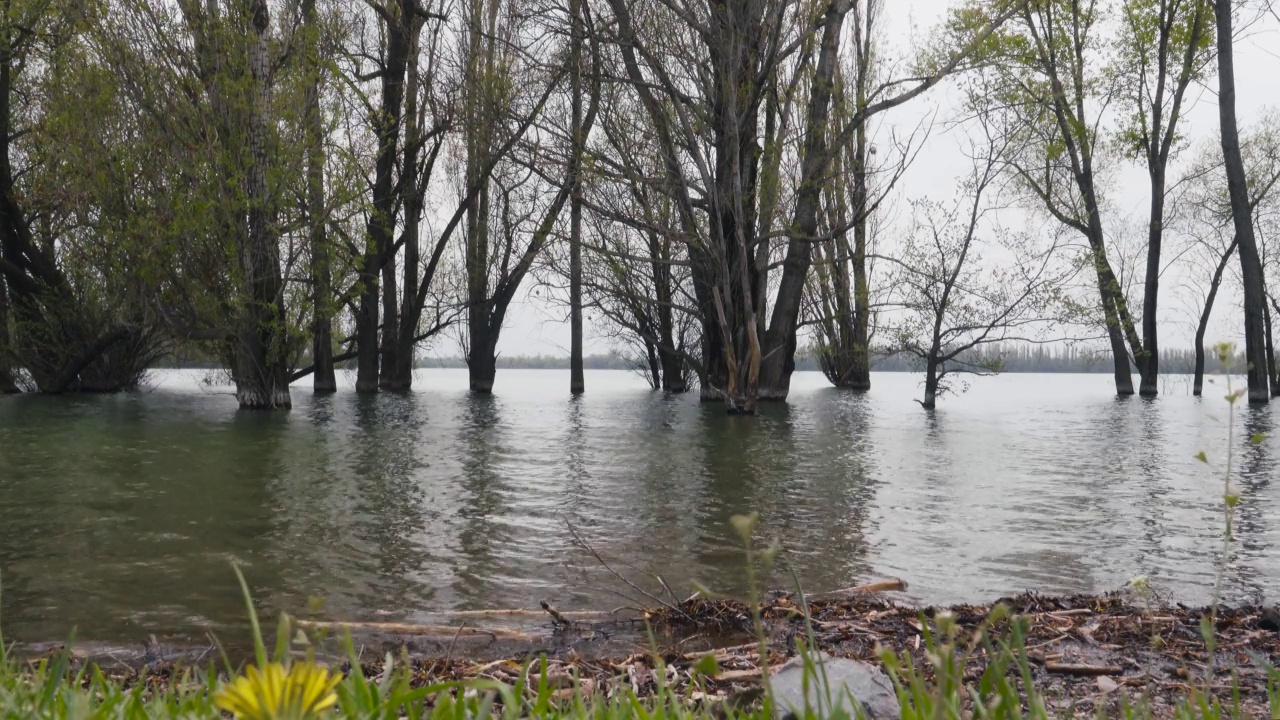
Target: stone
866,684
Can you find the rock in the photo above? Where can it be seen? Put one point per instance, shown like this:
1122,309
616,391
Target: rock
865,683
1270,620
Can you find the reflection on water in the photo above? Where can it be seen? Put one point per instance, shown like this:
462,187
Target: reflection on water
121,515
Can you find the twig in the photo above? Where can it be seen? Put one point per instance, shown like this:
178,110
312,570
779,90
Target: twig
559,619
577,538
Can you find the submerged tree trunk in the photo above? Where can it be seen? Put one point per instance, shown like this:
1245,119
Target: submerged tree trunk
480,348
577,383
1271,355
673,372
1159,104
1205,312
261,373
1148,360
931,381
7,384
367,323
324,379
382,220
1242,213
816,162
482,360
389,345
398,363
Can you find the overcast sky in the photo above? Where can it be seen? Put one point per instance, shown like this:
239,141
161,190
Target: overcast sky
535,327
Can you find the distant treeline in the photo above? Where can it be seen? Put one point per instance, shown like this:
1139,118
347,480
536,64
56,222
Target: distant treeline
1011,359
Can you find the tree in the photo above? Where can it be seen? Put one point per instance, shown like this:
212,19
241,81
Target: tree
75,318
261,371
955,302
577,383
400,19
1165,45
719,168
511,202
1047,72
1241,213
863,178
324,379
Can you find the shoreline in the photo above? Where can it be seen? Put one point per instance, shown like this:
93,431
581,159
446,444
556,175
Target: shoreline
1085,652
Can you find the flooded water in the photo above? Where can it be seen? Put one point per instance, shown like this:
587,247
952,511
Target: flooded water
121,515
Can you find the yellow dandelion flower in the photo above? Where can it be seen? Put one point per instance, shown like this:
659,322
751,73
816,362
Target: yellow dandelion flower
299,692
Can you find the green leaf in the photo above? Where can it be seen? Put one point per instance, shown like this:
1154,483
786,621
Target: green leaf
744,525
707,665
1202,457
1257,439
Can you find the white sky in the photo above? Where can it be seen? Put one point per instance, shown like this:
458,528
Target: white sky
534,327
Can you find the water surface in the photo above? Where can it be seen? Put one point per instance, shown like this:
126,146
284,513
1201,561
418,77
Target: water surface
120,515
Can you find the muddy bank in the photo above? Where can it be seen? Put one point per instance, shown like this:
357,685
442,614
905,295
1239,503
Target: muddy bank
1084,651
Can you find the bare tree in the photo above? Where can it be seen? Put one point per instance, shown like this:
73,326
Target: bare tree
954,301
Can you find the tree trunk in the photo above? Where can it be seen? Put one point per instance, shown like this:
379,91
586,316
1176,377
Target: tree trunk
859,370
1148,360
7,384
780,342
1271,355
1107,291
1205,312
577,383
930,383
482,361
390,342
1275,366
261,373
324,379
1160,135
412,186
672,372
1242,213
367,322
382,219
480,346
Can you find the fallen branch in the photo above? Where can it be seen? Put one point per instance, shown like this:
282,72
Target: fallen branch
418,630
886,585
1082,670
556,617
524,612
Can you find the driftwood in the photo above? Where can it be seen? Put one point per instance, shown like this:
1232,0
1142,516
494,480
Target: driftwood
1082,670
525,612
886,585
420,630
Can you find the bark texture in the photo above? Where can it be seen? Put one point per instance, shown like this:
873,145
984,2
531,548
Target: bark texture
261,371
1255,331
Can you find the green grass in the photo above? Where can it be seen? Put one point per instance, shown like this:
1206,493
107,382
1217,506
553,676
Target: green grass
57,688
